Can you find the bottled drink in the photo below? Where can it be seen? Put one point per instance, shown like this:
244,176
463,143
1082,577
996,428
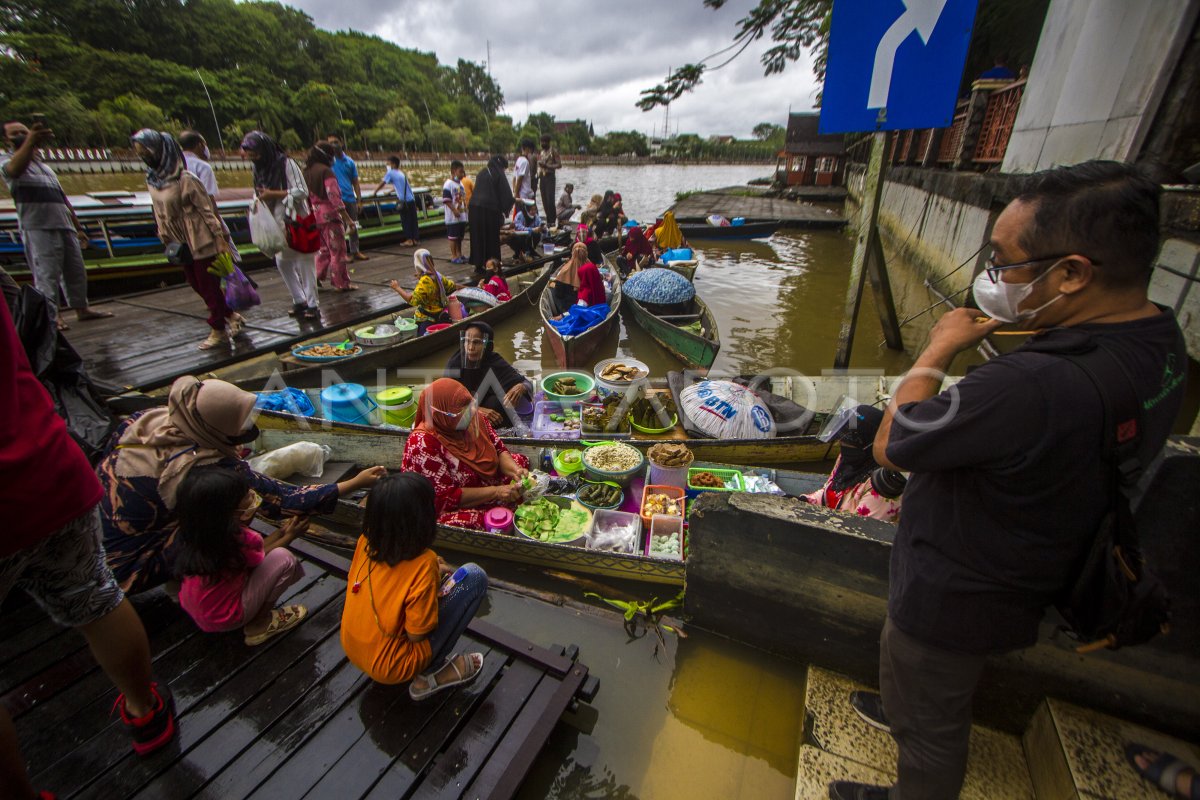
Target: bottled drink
449,582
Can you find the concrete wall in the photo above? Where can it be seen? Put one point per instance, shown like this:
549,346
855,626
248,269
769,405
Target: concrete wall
1100,71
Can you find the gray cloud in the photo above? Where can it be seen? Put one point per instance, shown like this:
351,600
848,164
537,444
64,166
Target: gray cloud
591,60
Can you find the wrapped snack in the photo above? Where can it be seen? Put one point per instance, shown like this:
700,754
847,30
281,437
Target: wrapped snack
671,454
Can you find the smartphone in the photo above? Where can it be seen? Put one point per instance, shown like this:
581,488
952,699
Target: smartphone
38,119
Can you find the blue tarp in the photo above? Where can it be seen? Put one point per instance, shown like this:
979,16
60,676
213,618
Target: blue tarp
579,318
288,401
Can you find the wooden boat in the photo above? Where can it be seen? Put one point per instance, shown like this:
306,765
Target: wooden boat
694,230
821,394
273,370
571,352
685,268
350,453
697,350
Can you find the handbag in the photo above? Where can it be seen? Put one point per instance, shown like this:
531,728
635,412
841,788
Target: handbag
179,254
1115,600
303,235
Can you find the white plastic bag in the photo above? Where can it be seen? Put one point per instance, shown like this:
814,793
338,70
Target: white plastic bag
305,458
265,231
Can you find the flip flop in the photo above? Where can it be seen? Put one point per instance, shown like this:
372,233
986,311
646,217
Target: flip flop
431,684
282,619
1163,771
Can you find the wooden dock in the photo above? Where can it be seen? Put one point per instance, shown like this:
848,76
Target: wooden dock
290,718
794,215
152,338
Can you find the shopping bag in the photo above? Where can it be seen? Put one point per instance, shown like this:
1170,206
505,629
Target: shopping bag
302,233
264,230
240,292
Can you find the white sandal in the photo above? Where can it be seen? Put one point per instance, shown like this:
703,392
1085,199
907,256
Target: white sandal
215,339
432,686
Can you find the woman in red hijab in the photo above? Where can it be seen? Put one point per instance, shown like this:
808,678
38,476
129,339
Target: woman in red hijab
637,248
591,285
456,448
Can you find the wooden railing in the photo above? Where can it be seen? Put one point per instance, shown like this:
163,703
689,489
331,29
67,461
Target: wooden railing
952,138
998,121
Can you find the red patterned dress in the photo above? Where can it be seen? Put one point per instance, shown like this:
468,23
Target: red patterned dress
425,454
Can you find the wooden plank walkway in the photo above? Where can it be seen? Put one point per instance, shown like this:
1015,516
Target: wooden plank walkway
290,718
794,215
152,338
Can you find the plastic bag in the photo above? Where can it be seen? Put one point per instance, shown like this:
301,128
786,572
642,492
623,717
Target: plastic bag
264,229
240,291
287,401
305,458
615,539
534,485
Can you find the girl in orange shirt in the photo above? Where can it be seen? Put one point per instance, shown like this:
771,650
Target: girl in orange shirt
401,620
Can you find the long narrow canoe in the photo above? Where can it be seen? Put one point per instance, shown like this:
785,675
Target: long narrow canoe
376,447
697,350
698,231
685,268
270,371
573,352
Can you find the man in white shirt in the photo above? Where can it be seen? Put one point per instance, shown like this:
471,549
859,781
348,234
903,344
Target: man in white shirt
195,161
454,205
523,172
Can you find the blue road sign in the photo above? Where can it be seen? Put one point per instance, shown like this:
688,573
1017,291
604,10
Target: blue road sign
894,64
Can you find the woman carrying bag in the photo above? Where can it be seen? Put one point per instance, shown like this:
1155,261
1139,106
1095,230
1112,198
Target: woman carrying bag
189,227
279,182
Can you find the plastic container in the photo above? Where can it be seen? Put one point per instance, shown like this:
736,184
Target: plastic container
592,507
498,520
543,427
586,383
655,431
737,222
668,476
548,248
673,492
665,525
441,326
377,335
563,468
677,254
347,402
622,479
397,406
605,522
728,476
407,327
604,388
562,502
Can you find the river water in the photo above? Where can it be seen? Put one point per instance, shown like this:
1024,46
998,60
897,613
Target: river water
700,717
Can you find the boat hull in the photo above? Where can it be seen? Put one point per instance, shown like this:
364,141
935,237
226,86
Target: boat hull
751,230
576,352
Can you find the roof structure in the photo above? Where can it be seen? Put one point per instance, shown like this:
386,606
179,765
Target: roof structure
803,138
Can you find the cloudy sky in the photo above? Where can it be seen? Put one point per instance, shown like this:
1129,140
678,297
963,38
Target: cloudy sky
590,60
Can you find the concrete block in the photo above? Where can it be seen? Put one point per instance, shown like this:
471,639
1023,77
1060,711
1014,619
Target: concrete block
1078,754
995,769
816,769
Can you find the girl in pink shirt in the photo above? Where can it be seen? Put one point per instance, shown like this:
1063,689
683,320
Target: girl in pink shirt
230,576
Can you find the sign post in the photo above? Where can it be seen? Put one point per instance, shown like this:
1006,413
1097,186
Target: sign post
888,72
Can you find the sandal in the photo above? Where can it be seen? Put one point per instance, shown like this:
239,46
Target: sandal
474,660
235,325
282,619
215,339
1163,771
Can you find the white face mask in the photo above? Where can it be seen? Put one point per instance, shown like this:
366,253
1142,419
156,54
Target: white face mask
1002,301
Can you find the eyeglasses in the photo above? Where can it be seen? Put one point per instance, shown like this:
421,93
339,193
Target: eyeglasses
993,269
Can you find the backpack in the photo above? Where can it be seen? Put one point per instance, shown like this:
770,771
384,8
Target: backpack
1115,600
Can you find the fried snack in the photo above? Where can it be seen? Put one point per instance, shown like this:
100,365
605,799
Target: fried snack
671,454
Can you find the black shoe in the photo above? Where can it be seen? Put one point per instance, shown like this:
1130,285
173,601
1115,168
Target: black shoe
157,728
869,706
297,310
849,790
311,312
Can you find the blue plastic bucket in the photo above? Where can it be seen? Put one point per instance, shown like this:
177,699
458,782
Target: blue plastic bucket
738,221
347,402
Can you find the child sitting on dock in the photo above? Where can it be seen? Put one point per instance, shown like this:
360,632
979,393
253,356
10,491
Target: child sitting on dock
403,612
231,577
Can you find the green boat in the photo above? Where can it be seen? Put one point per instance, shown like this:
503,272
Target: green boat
691,334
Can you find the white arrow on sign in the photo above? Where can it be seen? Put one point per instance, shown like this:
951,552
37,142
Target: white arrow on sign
920,16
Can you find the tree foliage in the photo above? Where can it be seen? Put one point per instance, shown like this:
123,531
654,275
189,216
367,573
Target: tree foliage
266,66
793,25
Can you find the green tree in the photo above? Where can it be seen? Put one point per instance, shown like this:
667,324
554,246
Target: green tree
620,143
290,140
765,130
501,137
123,116
398,128
317,105
440,135
472,81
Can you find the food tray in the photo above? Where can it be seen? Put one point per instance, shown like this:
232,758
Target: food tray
667,524
561,502
543,427
621,478
299,352
673,492
727,475
603,520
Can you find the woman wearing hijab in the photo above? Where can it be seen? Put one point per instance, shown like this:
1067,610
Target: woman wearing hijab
431,296
849,487
456,448
564,286
332,217
204,422
638,253
185,214
279,182
667,234
495,283
490,379
587,217
606,216
490,204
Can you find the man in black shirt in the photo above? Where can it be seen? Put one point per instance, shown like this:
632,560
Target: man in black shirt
1008,482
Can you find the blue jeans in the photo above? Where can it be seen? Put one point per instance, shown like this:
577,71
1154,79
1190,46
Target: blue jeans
455,612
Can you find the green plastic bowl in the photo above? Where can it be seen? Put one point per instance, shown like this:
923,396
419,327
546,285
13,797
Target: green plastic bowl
622,479
566,469
674,421
590,506
566,400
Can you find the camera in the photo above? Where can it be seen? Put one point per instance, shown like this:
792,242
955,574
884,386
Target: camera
888,482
